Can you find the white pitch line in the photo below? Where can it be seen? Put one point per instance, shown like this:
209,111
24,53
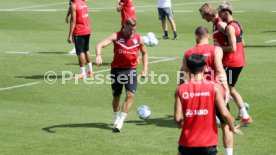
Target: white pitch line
37,6
273,11
18,86
183,11
164,60
270,41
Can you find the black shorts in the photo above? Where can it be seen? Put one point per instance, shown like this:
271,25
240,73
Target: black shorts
82,43
165,12
232,75
211,150
219,115
123,77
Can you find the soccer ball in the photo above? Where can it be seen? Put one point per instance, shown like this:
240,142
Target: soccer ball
151,35
246,105
143,112
153,42
146,40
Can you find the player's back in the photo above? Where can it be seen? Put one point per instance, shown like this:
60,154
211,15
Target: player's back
82,18
198,105
209,52
126,51
128,10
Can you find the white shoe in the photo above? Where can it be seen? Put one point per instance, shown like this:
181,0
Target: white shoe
73,51
116,121
119,126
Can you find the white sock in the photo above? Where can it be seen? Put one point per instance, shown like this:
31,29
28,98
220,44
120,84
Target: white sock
228,151
89,65
82,70
123,116
116,115
244,113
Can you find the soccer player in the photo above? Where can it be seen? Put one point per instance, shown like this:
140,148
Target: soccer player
211,15
73,51
165,10
215,73
127,9
80,32
233,57
197,100
127,45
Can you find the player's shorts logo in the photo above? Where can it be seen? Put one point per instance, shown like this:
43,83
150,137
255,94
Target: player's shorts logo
189,113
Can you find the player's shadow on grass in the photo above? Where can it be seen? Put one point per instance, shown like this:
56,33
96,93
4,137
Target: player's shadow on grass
77,64
167,122
260,46
36,77
269,31
50,129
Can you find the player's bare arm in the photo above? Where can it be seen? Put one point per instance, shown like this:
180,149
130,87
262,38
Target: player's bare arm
230,30
183,69
72,23
68,15
177,110
144,52
222,26
227,117
102,45
119,6
221,72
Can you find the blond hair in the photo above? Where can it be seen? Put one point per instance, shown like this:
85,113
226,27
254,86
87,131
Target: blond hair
207,10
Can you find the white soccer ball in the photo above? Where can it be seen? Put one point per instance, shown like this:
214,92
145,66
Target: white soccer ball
143,112
146,40
153,42
151,35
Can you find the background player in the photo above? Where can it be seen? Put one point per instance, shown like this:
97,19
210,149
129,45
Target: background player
233,58
127,9
197,100
127,45
80,31
165,11
67,20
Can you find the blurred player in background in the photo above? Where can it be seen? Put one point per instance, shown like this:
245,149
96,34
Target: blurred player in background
197,100
79,33
233,57
67,20
165,11
127,9
127,45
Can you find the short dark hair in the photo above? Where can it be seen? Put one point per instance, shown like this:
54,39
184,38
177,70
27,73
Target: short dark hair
201,31
196,63
130,21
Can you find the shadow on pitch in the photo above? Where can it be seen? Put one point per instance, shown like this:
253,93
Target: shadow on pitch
260,46
40,77
166,121
77,64
81,125
269,31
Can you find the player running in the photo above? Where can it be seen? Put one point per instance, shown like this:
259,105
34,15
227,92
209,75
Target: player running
80,34
197,99
233,58
127,9
214,72
127,45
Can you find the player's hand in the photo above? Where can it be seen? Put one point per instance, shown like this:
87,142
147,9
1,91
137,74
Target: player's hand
67,20
70,40
99,60
237,131
144,73
227,96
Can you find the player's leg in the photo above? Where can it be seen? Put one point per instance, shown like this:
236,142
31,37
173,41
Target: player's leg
116,92
130,86
228,139
162,17
169,13
232,78
87,55
79,44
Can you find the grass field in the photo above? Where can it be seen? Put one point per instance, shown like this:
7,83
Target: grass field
75,118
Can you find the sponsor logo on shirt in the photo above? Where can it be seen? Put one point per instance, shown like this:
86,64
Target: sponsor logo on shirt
199,112
187,95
